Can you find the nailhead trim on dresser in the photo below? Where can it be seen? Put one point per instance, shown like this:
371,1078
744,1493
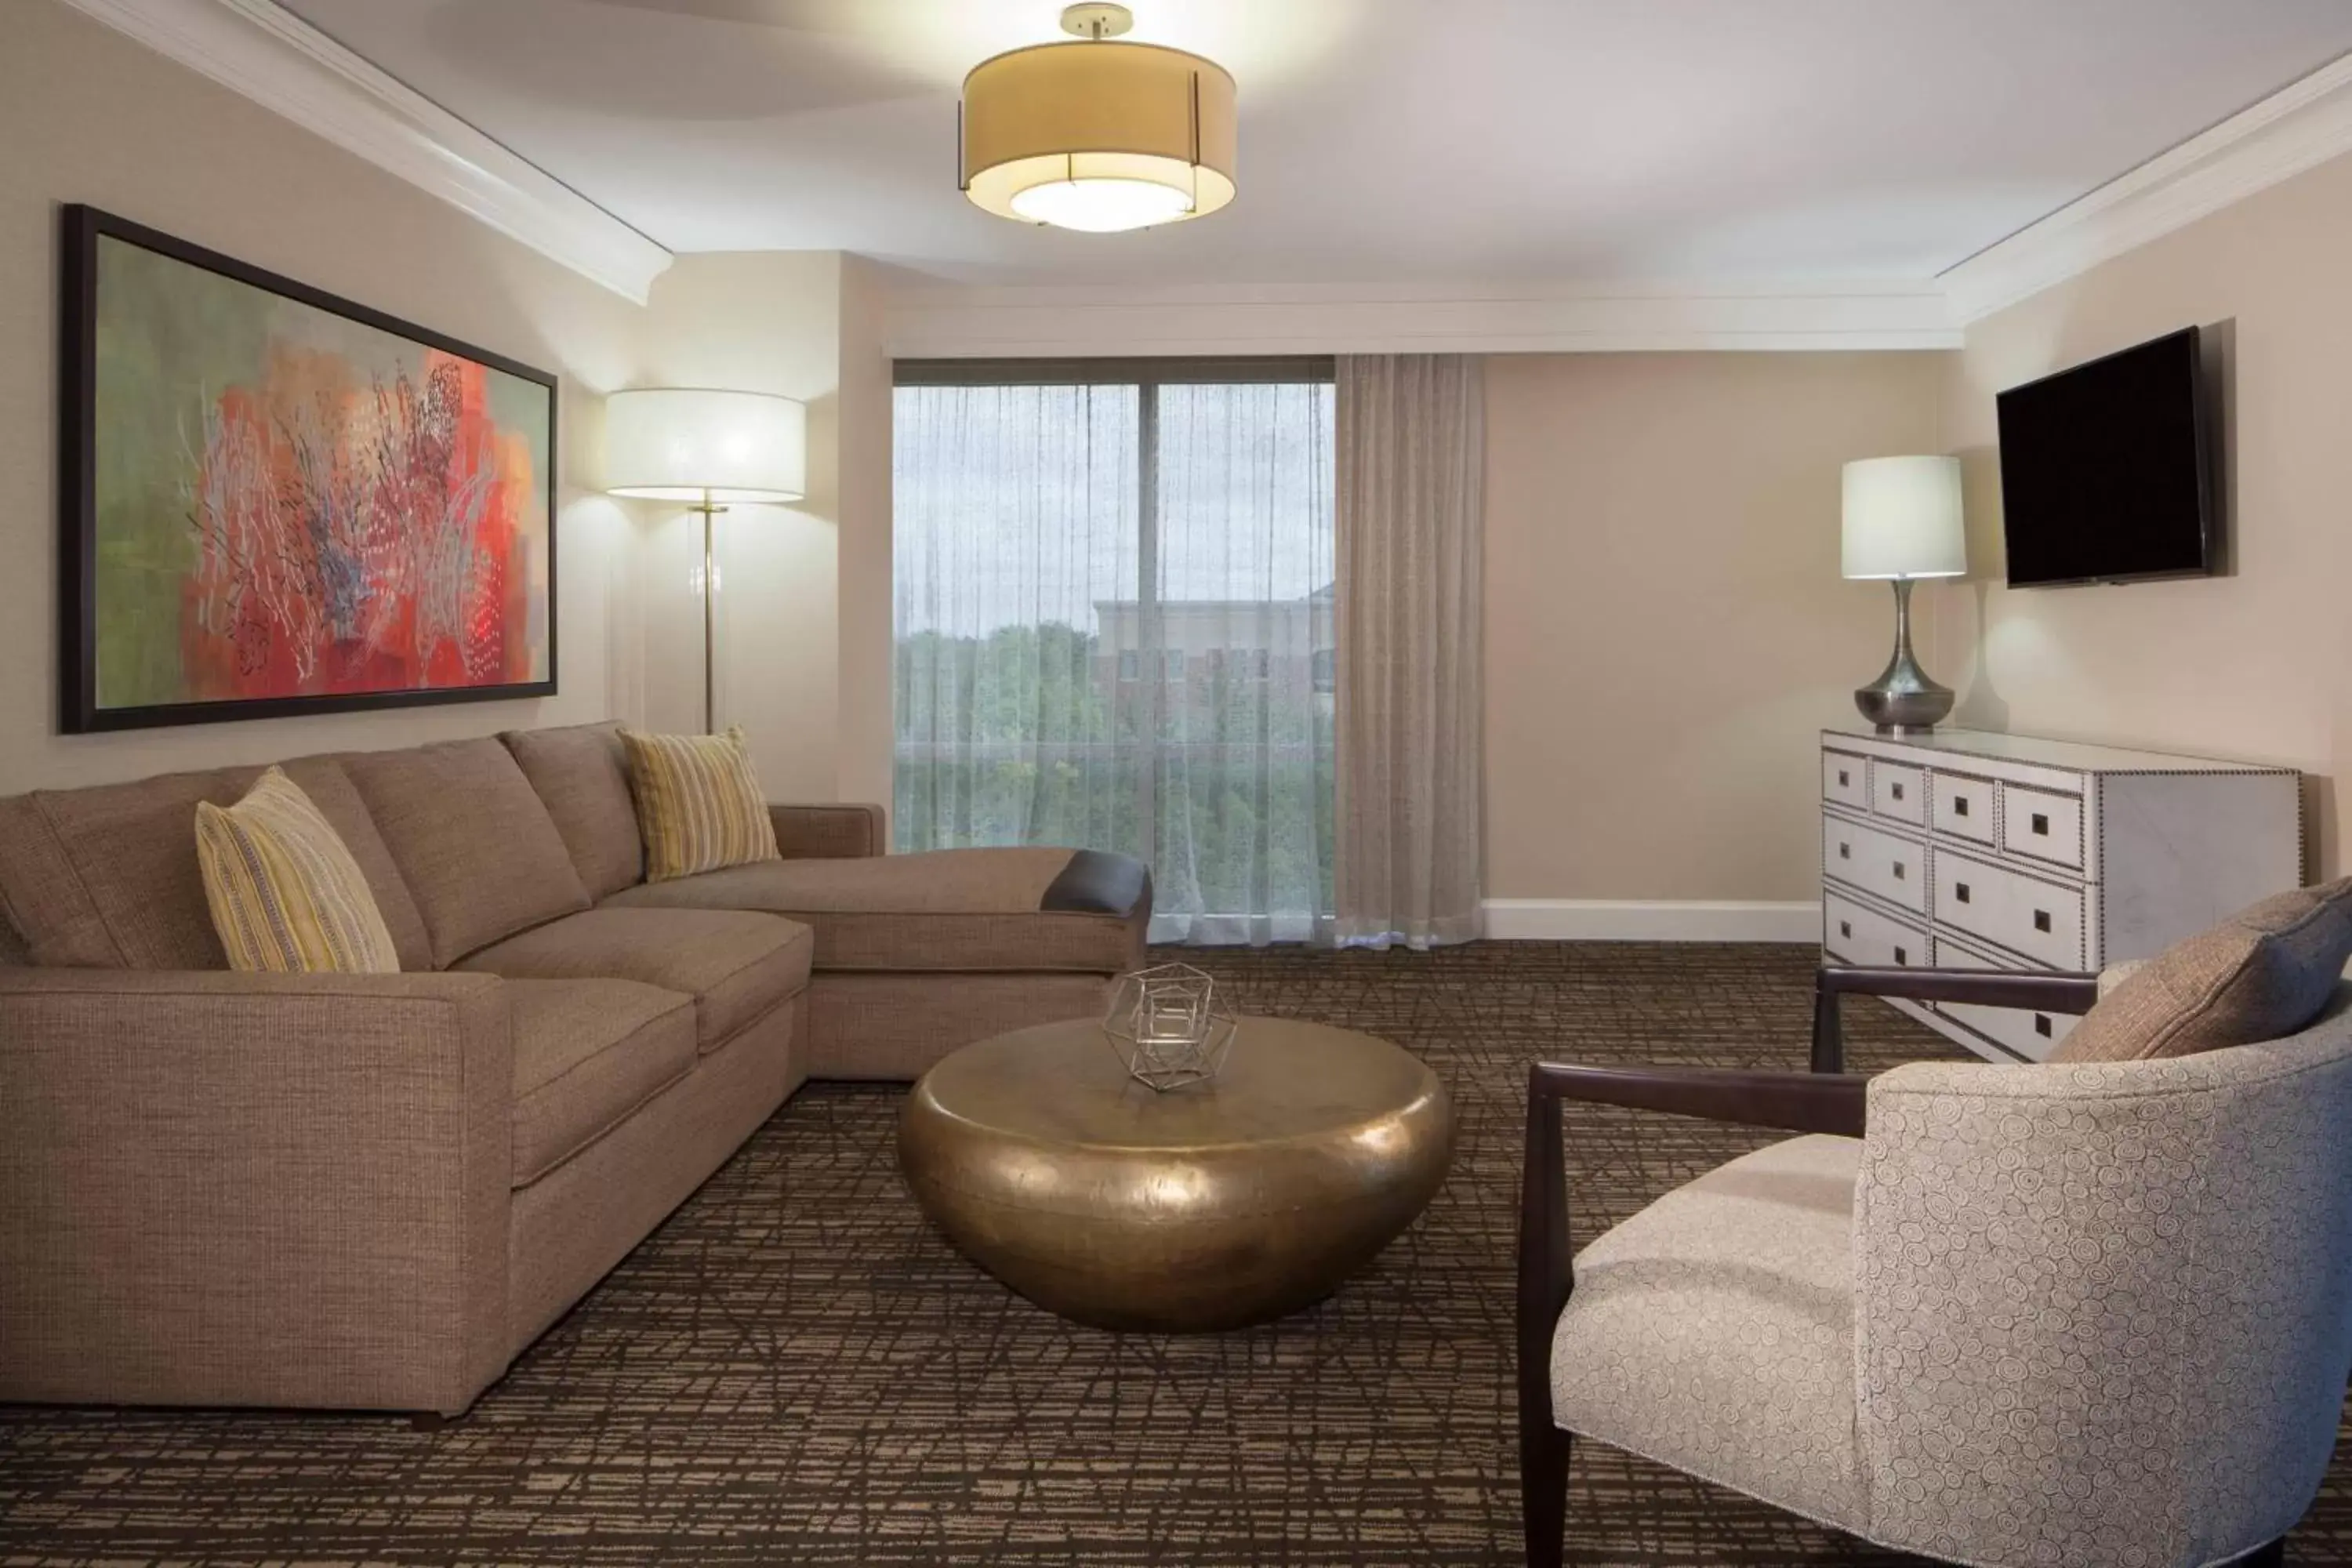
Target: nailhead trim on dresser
2075,857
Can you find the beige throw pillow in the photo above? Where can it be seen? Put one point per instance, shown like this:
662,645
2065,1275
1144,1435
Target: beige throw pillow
2265,972
286,896
698,803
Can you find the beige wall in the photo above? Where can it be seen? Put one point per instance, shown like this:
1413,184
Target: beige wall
2252,665
764,321
86,115
1665,625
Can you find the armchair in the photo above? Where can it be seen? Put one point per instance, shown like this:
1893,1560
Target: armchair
2082,1312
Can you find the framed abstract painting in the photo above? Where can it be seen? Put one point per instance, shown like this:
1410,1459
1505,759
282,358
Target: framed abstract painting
275,502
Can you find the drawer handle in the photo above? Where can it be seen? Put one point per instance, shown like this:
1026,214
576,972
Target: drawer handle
1959,805
1845,928
2041,825
1960,891
1898,792
2041,919
1903,955
2042,1025
1843,779
1845,851
1898,870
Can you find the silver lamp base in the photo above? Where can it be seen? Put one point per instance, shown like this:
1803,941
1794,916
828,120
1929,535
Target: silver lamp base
1902,701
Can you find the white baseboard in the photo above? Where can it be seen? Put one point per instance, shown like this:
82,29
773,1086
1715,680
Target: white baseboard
1650,919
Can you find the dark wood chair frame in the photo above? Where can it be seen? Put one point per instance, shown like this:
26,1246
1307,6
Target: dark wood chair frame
1826,1099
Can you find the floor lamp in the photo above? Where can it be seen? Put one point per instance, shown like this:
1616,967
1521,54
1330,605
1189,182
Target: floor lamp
711,449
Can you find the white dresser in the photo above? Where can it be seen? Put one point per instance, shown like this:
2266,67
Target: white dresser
1963,849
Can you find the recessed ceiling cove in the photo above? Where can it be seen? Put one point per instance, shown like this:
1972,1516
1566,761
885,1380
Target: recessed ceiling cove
1390,143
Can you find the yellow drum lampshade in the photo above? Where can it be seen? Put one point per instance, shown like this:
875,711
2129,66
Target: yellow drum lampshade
1099,136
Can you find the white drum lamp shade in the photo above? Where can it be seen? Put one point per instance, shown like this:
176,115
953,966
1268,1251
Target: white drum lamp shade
1903,518
694,444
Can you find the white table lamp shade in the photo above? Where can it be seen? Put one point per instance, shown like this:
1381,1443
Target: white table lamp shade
686,442
1902,517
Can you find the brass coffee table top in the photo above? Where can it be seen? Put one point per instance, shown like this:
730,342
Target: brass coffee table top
1209,1206
1060,1084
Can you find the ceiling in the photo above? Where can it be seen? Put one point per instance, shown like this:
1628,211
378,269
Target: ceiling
1383,141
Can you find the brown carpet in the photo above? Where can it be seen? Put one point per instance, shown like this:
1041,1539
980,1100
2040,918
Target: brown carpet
795,1370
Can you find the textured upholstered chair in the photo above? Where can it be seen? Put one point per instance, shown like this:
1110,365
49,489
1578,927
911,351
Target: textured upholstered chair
2061,1314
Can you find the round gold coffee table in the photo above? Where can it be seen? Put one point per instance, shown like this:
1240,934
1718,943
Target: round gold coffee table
1224,1204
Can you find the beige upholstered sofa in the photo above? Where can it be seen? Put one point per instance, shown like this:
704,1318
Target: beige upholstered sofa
372,1191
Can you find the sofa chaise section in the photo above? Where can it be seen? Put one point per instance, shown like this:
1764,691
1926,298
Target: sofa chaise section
915,954
918,955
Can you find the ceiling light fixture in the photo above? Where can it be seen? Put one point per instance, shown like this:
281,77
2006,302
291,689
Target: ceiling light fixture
1099,136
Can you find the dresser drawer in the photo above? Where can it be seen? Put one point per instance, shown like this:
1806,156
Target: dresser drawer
1963,806
1898,792
2022,1031
1856,934
1845,779
1894,868
2024,914
2041,824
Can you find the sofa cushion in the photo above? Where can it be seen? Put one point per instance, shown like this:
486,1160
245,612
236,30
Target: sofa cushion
287,897
943,909
1713,1331
586,1053
582,779
698,803
472,841
106,877
735,965
2265,972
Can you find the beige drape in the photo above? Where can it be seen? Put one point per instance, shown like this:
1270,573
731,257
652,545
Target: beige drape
1410,509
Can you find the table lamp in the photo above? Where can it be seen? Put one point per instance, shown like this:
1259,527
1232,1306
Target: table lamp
710,449
1903,522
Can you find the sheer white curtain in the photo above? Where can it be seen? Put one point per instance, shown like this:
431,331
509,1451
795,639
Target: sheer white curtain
1115,625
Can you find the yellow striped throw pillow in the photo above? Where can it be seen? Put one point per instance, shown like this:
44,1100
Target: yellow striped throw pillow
287,897
698,803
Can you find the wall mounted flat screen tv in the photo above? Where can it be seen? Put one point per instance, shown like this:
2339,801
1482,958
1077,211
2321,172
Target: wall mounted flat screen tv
2105,471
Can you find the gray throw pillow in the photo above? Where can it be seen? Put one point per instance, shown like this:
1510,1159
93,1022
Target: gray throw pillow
2265,972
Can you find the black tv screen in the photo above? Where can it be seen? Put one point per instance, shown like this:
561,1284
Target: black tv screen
2104,469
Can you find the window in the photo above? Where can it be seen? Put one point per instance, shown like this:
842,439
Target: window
1059,531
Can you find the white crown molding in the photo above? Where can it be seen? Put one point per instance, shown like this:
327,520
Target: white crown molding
268,54
968,322
1650,919
2299,127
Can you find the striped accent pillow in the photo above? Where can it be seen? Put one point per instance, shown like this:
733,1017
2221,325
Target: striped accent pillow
698,803
287,897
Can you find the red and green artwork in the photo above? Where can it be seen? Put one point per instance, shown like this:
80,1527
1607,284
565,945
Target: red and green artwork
293,507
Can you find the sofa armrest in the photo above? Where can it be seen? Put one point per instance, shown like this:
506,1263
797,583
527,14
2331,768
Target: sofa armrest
830,832
253,1189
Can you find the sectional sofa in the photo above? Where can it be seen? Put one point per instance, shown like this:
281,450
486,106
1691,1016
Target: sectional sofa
374,1191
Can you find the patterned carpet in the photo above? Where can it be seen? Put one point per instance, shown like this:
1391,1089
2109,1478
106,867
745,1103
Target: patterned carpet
795,1370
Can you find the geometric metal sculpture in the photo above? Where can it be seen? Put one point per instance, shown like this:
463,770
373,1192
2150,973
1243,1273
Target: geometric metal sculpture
1163,1023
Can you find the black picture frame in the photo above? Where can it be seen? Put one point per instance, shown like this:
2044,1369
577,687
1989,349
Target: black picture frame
82,230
